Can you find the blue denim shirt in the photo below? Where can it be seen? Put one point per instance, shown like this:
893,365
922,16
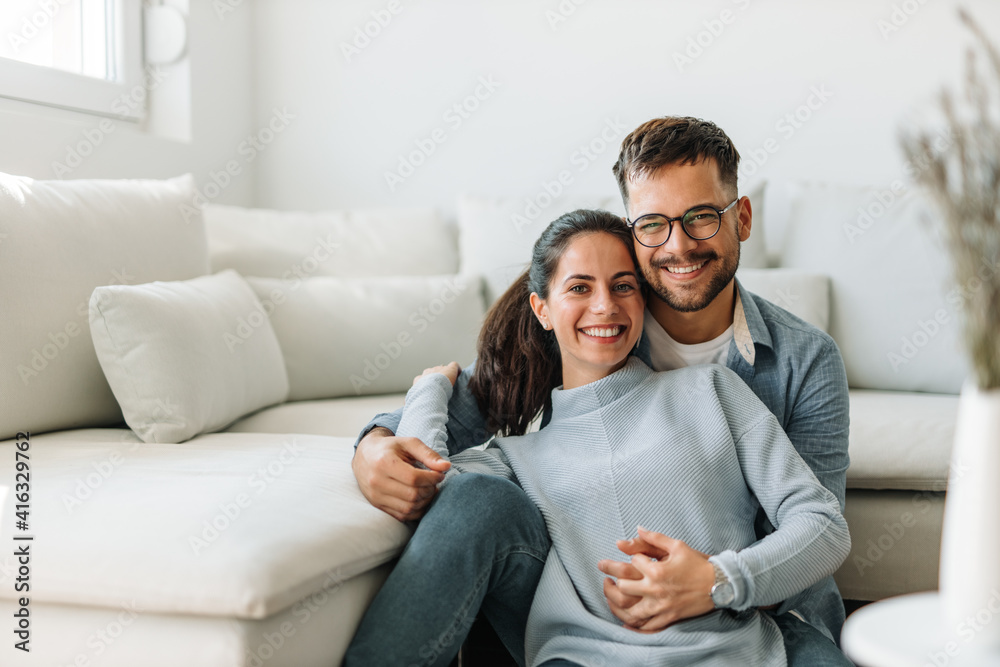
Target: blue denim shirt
797,372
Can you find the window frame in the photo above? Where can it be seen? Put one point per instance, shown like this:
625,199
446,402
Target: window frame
52,87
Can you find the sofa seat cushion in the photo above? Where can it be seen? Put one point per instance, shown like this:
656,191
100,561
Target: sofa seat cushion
227,524
342,417
895,543
901,440
313,632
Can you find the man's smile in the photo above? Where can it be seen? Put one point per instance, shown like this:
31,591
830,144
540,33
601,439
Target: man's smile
691,268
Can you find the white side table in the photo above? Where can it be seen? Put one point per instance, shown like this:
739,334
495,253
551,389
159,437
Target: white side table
909,631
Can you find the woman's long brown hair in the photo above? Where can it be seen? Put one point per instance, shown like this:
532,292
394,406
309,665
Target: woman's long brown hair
518,363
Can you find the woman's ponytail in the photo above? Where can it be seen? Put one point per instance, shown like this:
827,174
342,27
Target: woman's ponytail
517,363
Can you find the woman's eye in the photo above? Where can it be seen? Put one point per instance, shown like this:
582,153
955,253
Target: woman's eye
624,287
578,288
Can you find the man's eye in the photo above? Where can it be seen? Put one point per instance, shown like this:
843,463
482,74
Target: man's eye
650,227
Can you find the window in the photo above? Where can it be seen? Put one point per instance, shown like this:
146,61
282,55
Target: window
75,54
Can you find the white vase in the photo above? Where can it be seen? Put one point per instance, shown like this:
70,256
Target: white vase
970,541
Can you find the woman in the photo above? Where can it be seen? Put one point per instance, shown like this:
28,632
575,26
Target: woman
690,454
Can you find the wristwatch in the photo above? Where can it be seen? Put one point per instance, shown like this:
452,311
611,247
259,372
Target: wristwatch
722,591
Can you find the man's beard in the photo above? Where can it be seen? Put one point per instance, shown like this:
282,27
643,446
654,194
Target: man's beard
682,301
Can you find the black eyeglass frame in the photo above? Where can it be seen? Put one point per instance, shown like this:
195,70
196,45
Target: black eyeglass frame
632,223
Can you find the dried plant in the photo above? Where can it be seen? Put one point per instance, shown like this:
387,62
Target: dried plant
963,178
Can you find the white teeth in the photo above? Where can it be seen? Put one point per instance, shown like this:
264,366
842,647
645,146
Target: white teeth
685,269
602,332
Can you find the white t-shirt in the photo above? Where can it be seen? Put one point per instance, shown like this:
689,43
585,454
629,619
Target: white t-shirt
667,354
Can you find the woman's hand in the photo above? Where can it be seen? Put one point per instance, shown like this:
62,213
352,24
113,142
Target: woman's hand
450,371
653,594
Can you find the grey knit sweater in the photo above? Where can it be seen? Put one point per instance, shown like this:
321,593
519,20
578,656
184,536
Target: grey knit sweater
689,453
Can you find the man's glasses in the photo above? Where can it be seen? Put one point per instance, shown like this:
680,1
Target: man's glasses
700,223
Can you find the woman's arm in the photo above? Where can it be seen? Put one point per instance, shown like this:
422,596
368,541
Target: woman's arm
425,415
466,425
811,539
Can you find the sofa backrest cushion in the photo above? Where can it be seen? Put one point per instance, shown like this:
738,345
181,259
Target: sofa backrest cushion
294,245
187,357
803,294
753,251
893,302
497,234
358,336
58,241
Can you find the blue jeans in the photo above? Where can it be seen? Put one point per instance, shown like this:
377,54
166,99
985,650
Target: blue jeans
805,645
482,543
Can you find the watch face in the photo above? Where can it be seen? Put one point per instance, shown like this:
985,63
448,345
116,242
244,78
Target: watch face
722,594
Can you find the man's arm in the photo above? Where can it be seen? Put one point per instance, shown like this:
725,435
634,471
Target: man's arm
819,428
385,466
819,424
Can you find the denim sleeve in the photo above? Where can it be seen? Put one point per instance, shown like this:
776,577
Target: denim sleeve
819,429
820,420
466,426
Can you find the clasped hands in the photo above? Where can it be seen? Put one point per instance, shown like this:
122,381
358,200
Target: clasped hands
666,581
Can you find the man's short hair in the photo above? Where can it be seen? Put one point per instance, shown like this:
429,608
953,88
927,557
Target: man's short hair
674,140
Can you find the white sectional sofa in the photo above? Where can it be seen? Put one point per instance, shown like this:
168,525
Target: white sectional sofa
253,546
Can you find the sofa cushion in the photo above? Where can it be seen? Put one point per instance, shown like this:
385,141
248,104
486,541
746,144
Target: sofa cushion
58,241
893,309
895,543
497,234
342,417
362,336
227,524
187,357
803,294
314,632
901,440
296,245
753,251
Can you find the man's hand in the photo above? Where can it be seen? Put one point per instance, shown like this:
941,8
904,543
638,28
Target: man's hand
653,594
385,468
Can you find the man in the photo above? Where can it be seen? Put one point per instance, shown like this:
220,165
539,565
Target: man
482,544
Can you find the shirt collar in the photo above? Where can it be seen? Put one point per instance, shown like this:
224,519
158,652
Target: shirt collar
748,325
748,329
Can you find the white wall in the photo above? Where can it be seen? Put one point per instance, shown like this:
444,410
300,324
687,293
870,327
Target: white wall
33,138
558,87
344,122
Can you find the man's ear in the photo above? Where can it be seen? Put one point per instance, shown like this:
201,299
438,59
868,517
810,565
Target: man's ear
745,218
539,308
